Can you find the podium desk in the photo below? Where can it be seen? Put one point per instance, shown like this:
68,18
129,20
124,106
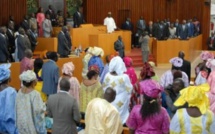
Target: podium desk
163,51
106,41
49,44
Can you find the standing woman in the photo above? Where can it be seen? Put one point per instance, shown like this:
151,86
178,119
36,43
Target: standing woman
7,102
30,109
150,117
40,19
38,63
67,71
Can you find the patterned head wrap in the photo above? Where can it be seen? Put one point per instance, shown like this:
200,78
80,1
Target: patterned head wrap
4,72
152,89
205,55
68,68
146,71
28,76
195,96
176,62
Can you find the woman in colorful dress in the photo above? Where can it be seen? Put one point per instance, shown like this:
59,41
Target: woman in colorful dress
85,60
90,88
30,109
197,118
120,82
7,102
67,71
150,117
38,63
40,19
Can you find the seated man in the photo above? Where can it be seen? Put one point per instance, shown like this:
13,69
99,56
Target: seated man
64,110
102,117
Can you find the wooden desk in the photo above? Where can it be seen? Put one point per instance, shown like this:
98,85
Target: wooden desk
15,70
163,51
49,44
106,41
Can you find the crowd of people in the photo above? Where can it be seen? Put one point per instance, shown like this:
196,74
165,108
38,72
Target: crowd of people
109,96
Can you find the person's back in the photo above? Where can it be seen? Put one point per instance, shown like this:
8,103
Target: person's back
64,110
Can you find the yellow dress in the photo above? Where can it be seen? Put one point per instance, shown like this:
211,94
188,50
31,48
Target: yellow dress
88,93
39,86
182,123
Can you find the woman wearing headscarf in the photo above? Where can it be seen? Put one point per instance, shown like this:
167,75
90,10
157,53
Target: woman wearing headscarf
30,109
85,61
38,63
197,118
7,102
130,70
168,77
106,68
150,117
205,55
67,71
96,59
211,82
90,88
120,82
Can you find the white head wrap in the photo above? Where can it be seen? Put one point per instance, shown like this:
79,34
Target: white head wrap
97,51
116,64
28,76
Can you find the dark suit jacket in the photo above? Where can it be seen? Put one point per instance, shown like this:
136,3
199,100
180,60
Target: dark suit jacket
11,41
33,39
127,26
78,19
63,48
50,76
68,37
65,112
183,34
190,29
119,47
186,67
209,42
151,31
161,32
4,54
25,25
23,44
52,17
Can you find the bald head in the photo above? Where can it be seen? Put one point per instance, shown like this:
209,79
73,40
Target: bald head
110,94
64,84
181,54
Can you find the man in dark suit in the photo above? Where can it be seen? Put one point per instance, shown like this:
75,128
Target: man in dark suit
63,45
183,31
25,23
78,17
190,27
23,43
11,39
4,54
150,29
68,37
52,15
119,47
211,42
186,67
32,35
127,25
176,25
50,74
66,113
161,31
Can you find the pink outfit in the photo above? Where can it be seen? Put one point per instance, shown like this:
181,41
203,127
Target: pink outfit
211,94
130,70
26,64
156,124
74,88
40,19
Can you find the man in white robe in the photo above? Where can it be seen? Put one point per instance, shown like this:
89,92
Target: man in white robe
110,23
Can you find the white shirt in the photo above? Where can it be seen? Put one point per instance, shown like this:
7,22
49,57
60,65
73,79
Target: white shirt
110,23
